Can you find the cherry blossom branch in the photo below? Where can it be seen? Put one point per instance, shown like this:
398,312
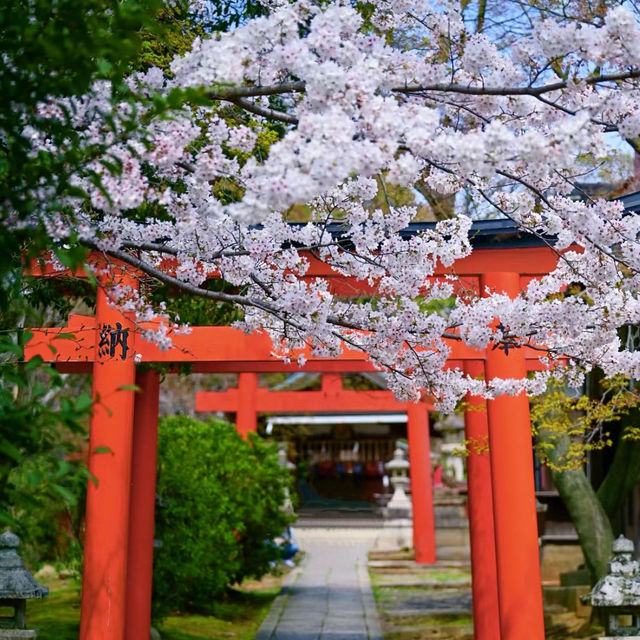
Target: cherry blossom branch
234,93
265,112
516,91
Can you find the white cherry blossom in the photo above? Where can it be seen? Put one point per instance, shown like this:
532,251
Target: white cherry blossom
358,111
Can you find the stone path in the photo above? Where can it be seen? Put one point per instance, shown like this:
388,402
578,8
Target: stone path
328,597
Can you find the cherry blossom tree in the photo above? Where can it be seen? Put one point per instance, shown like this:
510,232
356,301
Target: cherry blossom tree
355,108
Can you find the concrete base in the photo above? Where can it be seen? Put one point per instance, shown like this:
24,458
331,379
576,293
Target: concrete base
18,634
395,535
452,543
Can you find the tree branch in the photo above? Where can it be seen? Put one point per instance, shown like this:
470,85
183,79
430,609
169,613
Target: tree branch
515,91
233,93
265,112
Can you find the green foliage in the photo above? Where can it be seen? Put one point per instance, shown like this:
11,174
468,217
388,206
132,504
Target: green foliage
220,506
47,495
178,29
41,416
57,49
582,423
198,311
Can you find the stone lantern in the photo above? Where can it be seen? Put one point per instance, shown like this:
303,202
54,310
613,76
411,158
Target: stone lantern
399,506
618,593
16,585
283,461
451,428
397,532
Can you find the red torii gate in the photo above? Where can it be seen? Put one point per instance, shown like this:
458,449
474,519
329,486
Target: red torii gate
248,399
120,509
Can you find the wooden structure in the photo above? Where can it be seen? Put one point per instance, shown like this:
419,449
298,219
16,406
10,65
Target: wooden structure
248,400
507,597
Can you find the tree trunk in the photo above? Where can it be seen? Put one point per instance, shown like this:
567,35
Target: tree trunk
587,513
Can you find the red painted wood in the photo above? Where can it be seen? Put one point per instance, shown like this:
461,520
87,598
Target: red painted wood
224,349
246,415
74,343
210,349
265,366
142,510
424,540
107,517
301,401
528,261
519,586
484,581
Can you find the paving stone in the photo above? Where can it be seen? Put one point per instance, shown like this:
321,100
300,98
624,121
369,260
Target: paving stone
329,596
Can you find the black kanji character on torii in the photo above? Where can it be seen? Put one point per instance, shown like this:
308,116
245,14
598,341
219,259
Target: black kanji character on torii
507,342
111,339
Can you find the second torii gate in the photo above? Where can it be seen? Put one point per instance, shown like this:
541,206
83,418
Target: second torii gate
248,399
116,587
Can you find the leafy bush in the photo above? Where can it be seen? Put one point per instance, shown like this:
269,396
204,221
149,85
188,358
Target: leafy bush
47,497
219,511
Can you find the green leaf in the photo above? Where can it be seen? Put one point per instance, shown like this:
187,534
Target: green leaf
34,478
73,257
128,387
10,450
102,449
64,493
83,402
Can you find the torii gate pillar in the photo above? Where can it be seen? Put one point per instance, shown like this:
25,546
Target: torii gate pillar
110,444
519,586
142,510
424,545
484,581
246,415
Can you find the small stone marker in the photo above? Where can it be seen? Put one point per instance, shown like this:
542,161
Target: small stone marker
16,585
618,593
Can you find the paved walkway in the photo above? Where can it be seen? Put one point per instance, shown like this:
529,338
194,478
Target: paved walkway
328,597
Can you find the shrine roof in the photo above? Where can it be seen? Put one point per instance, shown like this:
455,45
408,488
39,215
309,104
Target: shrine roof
499,233
631,202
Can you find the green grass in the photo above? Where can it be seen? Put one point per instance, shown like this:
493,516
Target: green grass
235,618
58,616
452,575
238,617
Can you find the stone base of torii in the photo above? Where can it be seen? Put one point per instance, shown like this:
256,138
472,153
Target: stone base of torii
116,599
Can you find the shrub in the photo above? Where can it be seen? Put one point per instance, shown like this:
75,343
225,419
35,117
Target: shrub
219,510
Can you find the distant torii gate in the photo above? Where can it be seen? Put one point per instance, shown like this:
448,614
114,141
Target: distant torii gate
119,530
248,399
